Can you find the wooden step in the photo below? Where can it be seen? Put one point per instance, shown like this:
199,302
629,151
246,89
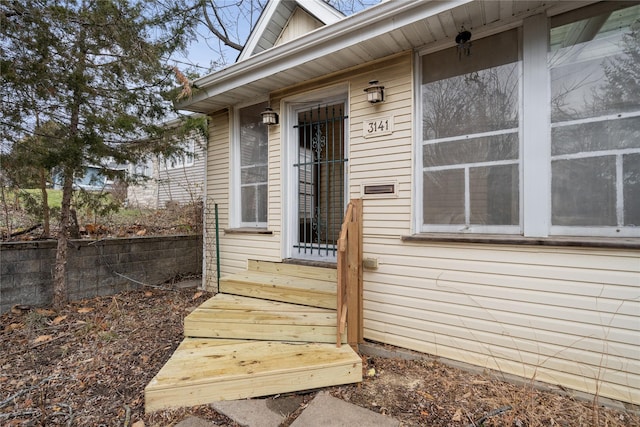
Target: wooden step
207,370
311,272
315,292
238,317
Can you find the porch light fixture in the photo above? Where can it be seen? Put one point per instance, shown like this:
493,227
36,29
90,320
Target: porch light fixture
463,40
269,117
375,92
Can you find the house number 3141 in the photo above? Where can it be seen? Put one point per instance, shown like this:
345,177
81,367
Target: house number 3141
378,126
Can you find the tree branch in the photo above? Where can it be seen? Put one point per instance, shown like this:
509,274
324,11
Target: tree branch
223,36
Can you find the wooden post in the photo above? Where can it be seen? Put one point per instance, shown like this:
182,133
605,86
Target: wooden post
352,285
358,214
350,289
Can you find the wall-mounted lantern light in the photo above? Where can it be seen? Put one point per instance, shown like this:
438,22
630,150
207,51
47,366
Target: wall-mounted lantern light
463,40
269,117
375,92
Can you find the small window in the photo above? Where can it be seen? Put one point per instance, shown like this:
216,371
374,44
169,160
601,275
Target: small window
143,168
251,166
185,158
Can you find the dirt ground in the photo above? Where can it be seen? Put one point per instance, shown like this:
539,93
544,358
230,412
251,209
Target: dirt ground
88,364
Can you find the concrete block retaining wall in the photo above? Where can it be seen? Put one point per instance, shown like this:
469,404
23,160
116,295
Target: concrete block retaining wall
100,267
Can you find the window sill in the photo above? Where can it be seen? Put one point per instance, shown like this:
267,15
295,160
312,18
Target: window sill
498,239
247,230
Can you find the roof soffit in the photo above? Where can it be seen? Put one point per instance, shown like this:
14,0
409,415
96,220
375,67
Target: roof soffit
400,22
388,16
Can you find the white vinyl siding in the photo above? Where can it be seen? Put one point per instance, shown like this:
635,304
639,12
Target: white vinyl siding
183,183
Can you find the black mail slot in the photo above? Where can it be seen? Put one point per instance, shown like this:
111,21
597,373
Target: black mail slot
380,189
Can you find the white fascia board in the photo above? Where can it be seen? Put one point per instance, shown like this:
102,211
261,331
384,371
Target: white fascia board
261,25
324,12
368,24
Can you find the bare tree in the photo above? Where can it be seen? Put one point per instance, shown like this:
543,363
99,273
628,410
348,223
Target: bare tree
226,26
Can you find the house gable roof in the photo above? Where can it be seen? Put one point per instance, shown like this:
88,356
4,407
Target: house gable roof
278,14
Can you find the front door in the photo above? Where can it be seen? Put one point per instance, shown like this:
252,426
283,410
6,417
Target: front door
319,171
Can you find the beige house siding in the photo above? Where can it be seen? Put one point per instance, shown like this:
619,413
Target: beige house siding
274,213
558,315
300,23
217,192
235,248
562,315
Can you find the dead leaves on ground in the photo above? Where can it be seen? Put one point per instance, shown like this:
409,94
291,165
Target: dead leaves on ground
425,392
105,350
102,359
59,319
43,338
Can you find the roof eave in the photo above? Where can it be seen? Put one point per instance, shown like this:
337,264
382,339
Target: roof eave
325,13
347,32
267,71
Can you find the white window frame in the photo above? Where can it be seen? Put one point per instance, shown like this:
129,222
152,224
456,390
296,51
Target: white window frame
185,159
235,195
535,145
143,168
420,169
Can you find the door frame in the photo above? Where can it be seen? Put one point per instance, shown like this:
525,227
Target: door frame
290,107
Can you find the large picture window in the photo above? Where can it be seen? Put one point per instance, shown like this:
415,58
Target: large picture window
595,121
252,166
481,170
470,144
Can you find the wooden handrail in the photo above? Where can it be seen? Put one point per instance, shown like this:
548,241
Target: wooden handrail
349,292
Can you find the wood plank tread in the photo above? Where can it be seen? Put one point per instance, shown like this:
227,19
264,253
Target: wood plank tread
277,287
271,329
272,279
232,316
312,272
205,370
242,303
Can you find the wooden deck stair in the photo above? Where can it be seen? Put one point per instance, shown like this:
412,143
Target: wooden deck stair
271,329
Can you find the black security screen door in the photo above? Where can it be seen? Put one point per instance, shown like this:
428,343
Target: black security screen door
320,166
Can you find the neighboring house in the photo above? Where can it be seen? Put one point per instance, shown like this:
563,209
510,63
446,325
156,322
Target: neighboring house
94,178
500,177
178,179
